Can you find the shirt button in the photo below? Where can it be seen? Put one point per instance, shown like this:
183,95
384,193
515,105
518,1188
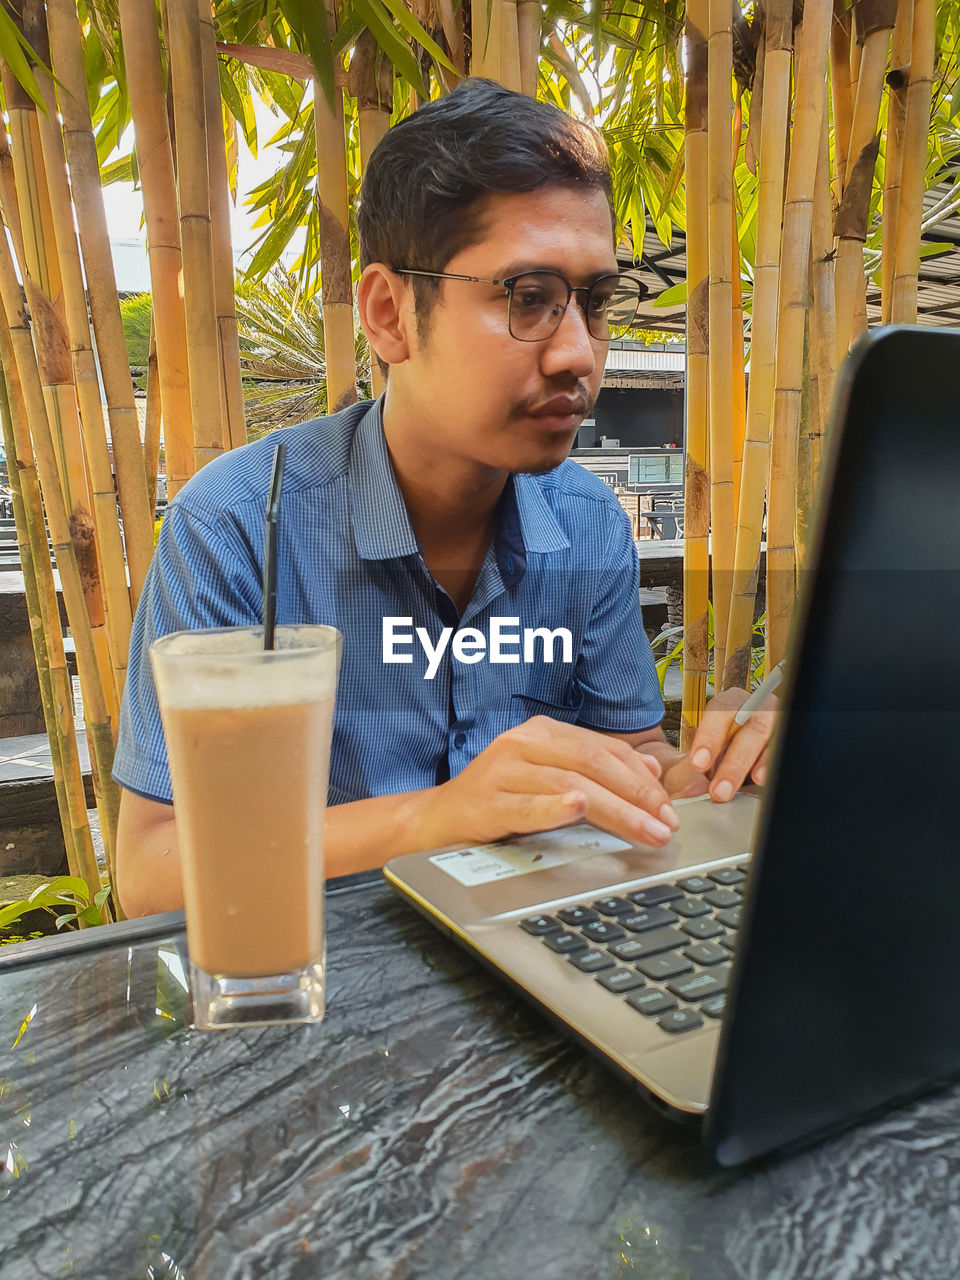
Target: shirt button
459,740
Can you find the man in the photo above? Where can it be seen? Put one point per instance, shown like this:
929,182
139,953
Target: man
487,240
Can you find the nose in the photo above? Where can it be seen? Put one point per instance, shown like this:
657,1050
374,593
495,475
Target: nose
570,348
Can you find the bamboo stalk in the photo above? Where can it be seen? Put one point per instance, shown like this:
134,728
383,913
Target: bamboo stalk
336,297
151,435
9,208
529,34
81,154
196,237
370,81
148,102
228,340
37,635
696,504
96,711
809,431
840,85
903,308
452,23
823,343
720,183
738,370
45,294
778,59
897,81
45,621
874,19
794,270
484,52
510,45
106,528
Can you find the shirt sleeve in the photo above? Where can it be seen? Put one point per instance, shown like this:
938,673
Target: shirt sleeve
200,576
616,673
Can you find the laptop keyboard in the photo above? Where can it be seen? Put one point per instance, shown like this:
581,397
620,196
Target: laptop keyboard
665,948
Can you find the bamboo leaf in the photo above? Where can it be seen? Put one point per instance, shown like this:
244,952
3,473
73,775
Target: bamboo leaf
390,41
14,50
413,28
675,296
308,20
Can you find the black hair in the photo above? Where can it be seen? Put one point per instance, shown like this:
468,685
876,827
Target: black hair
426,181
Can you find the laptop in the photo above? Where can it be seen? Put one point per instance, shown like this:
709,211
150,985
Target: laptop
787,961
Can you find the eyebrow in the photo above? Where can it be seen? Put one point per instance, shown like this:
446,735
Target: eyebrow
524,267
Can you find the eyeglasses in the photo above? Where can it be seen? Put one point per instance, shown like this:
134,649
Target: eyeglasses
537,301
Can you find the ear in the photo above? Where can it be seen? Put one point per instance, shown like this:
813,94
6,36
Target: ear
386,312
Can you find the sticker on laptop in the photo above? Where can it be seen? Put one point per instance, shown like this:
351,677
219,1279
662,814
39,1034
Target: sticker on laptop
488,862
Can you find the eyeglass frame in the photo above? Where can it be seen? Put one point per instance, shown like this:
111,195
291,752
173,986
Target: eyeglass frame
509,283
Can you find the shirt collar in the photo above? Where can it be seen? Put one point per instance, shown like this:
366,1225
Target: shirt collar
382,526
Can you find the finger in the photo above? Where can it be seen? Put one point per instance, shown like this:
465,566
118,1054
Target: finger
759,771
526,813
713,731
743,752
604,807
608,762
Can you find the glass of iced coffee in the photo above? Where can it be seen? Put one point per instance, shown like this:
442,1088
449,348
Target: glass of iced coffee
248,738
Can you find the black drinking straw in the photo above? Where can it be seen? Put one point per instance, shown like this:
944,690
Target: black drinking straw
270,546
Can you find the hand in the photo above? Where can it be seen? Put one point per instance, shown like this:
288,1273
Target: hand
727,761
545,774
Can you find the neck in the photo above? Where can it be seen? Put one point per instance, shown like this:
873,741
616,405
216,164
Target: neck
450,500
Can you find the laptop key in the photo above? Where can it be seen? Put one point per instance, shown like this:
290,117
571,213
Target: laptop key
620,980
539,925
662,967
576,915
591,961
715,1006
703,929
727,876
680,1020
695,986
564,943
730,918
651,1001
632,949
691,907
694,884
722,898
707,953
656,894
602,931
613,906
652,918
651,944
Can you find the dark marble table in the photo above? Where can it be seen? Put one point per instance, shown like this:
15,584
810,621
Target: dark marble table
432,1126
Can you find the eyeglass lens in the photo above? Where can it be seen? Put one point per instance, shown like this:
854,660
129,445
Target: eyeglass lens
539,298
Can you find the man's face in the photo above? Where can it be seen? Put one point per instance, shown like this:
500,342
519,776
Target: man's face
488,397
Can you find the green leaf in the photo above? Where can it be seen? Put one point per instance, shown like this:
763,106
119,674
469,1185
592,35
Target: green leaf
389,40
413,28
12,47
308,20
936,249
675,296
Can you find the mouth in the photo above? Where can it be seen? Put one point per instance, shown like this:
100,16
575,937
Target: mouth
561,413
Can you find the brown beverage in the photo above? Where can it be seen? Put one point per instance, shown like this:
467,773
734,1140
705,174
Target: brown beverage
251,832
248,738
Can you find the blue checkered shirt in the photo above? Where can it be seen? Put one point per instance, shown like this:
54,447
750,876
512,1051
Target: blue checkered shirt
563,556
